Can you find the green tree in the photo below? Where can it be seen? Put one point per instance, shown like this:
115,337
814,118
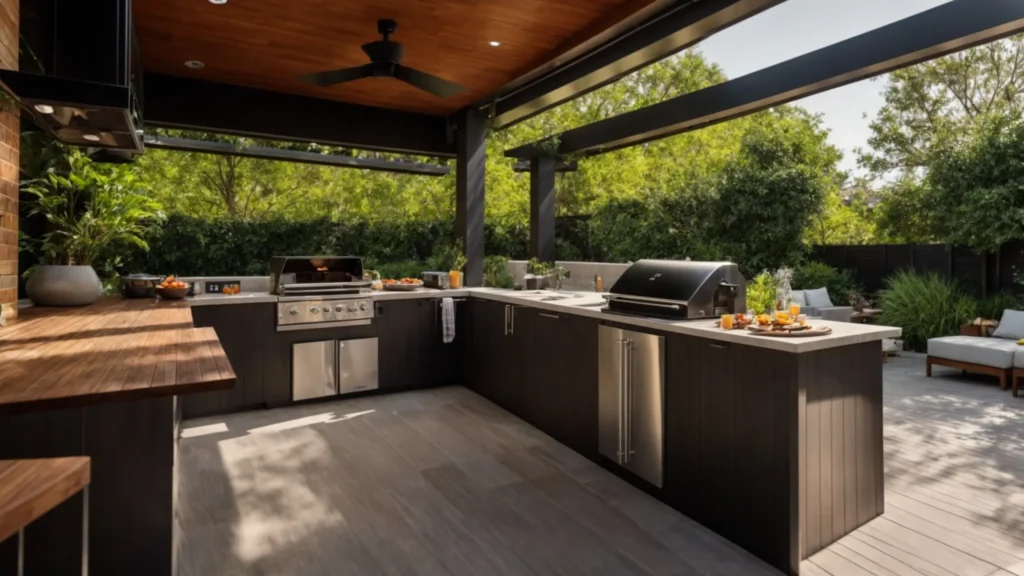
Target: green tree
842,221
774,189
906,213
978,189
948,99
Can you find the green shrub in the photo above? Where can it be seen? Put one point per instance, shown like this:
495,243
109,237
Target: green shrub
991,308
839,283
924,306
761,293
398,270
496,272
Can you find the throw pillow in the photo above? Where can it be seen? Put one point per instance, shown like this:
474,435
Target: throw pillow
818,298
797,297
1011,326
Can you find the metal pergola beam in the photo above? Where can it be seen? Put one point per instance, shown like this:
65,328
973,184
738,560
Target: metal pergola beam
265,153
676,28
524,166
948,28
542,209
190,104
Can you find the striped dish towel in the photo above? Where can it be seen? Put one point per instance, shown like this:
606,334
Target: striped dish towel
448,320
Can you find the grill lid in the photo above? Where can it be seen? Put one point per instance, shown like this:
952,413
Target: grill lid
308,273
674,280
678,289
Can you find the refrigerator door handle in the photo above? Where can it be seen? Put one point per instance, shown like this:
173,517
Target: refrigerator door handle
622,412
629,399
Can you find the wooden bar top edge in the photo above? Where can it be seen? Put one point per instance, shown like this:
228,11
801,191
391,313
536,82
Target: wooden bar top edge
67,357
32,487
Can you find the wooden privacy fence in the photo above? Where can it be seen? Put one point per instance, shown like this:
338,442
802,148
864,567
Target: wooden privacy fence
979,274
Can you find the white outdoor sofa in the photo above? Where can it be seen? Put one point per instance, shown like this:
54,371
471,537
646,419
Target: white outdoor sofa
998,356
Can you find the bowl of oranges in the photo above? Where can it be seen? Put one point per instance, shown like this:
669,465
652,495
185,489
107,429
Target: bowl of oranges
172,289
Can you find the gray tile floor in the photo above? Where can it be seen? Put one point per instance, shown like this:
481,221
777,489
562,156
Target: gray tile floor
444,482
438,482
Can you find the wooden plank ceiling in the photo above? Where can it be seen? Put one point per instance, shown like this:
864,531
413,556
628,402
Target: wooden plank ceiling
267,44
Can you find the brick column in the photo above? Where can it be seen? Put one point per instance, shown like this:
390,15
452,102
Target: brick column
10,142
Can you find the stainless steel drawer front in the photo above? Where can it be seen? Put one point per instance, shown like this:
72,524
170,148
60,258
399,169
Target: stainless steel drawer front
357,365
631,394
313,370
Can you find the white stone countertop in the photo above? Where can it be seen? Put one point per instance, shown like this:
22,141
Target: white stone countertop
589,304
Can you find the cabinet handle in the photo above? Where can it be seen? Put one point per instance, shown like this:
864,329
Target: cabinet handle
549,316
512,314
506,319
719,346
622,408
629,401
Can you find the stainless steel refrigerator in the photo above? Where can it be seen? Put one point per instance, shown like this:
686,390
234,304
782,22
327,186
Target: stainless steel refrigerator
631,399
332,367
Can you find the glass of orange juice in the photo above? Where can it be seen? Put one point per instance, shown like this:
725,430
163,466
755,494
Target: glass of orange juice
727,320
794,310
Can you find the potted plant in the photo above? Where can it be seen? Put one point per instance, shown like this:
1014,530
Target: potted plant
91,211
537,274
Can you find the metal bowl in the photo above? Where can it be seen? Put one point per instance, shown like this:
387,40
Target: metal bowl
172,293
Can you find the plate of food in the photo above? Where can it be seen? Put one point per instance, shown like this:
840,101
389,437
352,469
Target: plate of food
740,321
402,285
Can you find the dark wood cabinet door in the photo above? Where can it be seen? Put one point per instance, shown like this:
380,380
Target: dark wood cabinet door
683,373
245,332
581,418
404,330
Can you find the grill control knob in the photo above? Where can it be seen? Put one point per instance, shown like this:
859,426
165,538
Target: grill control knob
351,307
314,309
339,308
362,306
293,311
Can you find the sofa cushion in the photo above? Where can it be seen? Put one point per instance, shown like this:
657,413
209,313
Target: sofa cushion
797,297
993,352
1011,326
818,298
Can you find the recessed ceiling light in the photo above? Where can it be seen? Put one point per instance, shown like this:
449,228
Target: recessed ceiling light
218,1
195,64
494,43
91,137
44,108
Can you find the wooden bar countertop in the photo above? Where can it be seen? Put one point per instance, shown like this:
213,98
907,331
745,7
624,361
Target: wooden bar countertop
116,349
31,488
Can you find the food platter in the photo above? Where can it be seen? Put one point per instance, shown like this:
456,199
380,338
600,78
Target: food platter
795,332
403,285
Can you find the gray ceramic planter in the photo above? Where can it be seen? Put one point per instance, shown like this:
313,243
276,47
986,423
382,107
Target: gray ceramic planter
63,286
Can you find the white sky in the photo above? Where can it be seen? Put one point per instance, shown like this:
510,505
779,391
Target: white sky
799,26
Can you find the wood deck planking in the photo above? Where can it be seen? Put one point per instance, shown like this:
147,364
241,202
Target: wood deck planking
954,502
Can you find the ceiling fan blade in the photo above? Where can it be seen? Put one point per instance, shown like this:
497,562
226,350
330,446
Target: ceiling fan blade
331,77
437,86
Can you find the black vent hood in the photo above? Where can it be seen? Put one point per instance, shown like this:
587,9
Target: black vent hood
79,84
78,112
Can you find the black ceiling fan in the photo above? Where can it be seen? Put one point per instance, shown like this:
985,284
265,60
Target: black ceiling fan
385,56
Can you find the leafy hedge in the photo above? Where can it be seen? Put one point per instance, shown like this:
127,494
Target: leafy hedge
195,247
840,283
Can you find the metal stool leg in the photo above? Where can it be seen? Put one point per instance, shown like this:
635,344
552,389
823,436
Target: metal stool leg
85,531
21,552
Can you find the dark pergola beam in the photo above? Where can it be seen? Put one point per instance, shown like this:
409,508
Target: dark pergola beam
948,28
190,104
524,166
542,209
676,28
265,153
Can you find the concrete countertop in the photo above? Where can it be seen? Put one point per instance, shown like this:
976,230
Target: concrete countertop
589,304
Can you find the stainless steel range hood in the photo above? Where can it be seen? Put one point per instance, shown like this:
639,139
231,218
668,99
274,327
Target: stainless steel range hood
79,112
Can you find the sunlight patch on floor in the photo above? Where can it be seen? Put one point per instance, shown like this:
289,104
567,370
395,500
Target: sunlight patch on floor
325,418
276,506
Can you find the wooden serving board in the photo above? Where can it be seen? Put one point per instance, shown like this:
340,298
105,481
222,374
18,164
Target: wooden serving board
811,332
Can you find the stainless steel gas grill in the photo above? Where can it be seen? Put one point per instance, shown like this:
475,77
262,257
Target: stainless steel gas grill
320,292
678,290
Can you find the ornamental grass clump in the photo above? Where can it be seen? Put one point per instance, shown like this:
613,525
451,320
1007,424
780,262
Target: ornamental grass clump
924,306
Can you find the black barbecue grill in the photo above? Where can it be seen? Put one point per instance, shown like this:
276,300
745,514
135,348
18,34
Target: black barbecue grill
679,290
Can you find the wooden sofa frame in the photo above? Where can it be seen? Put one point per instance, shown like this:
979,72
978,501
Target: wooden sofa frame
1004,374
